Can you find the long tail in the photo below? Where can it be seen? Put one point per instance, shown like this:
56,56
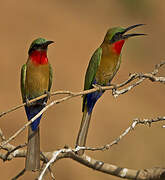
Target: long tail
88,105
33,150
83,131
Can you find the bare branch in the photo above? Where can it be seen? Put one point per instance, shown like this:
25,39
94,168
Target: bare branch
151,76
142,77
71,95
2,136
33,100
143,174
13,150
116,93
54,157
51,157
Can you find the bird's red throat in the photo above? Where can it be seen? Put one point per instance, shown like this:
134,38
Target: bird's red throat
39,57
117,46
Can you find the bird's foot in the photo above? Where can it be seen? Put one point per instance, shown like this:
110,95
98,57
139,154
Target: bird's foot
97,86
48,94
28,103
44,157
114,90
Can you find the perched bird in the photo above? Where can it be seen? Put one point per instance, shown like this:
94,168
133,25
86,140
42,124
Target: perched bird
103,66
36,80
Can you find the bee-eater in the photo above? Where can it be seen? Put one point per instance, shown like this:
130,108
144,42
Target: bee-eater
36,80
103,66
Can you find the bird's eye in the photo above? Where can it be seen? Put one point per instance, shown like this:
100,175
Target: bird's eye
116,37
33,48
36,46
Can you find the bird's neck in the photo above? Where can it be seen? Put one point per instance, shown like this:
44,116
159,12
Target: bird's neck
117,46
39,57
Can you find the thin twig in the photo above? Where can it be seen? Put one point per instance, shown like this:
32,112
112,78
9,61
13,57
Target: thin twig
71,95
1,135
75,94
13,150
136,122
54,157
99,165
33,100
19,175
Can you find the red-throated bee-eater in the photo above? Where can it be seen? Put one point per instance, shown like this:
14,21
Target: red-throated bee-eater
36,80
103,66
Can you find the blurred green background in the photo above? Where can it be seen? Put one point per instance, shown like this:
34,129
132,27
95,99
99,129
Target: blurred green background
78,28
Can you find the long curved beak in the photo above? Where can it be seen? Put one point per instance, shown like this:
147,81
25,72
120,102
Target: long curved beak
126,36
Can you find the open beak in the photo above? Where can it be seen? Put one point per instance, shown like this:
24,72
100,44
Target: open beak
126,36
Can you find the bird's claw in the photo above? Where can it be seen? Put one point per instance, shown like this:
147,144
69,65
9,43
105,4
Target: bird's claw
28,103
97,86
48,94
114,90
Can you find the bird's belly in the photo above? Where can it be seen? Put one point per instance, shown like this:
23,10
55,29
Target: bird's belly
106,71
37,82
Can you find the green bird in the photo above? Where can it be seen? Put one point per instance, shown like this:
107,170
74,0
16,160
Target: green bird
36,80
103,66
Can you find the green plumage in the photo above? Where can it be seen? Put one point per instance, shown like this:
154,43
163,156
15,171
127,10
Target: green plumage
39,80
36,80
23,78
103,66
91,71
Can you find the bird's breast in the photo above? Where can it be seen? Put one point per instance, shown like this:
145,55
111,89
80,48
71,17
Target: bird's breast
37,80
108,67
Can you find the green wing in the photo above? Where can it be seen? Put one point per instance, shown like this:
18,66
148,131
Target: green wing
23,78
50,77
91,71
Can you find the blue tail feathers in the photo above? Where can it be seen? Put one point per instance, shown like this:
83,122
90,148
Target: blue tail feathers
92,99
32,111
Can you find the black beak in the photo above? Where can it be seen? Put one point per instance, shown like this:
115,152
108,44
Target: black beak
126,36
47,43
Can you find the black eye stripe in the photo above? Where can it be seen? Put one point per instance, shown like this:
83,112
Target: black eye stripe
118,34
34,47
116,37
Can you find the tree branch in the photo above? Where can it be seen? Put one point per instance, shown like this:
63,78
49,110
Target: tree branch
152,174
142,77
52,157
72,94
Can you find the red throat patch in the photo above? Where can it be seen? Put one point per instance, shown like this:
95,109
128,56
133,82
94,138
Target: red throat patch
117,46
39,57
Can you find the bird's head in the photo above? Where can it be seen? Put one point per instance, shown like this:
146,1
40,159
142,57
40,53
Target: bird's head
38,51
39,44
116,36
